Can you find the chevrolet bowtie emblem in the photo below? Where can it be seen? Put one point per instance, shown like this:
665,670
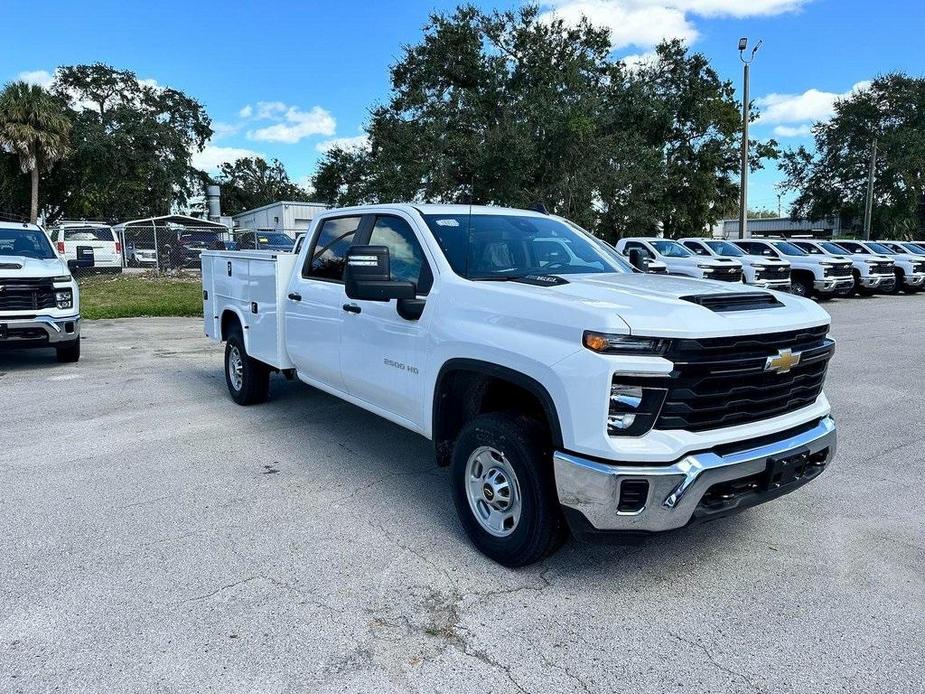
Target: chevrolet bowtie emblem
782,362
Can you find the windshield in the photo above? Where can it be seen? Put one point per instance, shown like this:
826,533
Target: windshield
504,246
274,239
30,243
671,249
725,248
810,248
833,248
199,237
788,248
880,248
915,248
87,234
853,248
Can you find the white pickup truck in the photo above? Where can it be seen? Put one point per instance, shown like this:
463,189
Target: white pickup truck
562,389
39,300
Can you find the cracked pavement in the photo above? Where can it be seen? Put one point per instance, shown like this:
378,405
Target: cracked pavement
159,538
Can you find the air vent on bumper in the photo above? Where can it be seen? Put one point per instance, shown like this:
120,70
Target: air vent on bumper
720,303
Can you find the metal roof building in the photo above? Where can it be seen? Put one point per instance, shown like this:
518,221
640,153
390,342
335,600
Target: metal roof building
288,217
785,227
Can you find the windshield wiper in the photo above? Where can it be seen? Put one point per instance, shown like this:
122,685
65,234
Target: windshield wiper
495,278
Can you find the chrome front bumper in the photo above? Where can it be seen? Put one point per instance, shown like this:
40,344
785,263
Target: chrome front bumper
15,330
675,492
914,280
833,284
779,285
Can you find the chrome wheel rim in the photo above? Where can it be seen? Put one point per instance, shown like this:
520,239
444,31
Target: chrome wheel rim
235,367
493,491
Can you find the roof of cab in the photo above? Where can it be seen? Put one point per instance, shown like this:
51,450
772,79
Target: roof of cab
431,208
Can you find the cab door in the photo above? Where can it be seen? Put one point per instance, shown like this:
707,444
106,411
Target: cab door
315,303
383,353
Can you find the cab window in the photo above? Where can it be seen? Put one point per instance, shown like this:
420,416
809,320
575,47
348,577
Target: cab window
328,255
406,257
696,247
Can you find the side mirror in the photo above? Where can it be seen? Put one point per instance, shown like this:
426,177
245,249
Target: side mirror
367,276
638,259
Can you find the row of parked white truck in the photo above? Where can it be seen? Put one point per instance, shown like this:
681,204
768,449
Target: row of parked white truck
805,267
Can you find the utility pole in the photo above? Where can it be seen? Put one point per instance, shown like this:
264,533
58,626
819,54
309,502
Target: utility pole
743,183
869,205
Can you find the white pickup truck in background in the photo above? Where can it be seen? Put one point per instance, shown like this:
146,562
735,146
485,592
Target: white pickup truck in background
767,273
39,299
563,389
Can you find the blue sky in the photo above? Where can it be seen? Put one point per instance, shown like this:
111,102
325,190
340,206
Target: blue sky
283,79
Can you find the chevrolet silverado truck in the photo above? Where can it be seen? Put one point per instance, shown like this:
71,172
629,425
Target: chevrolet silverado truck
810,275
39,300
909,268
681,261
872,273
563,391
767,273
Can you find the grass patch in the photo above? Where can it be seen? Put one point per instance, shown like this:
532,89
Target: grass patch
127,296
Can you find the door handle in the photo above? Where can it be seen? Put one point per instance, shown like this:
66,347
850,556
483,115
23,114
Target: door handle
295,296
352,308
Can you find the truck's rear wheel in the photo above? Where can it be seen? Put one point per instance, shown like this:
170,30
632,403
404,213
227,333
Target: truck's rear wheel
69,353
248,379
504,490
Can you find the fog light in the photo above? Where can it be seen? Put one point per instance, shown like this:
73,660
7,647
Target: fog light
633,408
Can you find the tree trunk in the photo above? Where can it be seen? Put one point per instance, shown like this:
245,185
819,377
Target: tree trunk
34,211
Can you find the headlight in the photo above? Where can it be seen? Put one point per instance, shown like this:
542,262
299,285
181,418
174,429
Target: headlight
633,409
606,343
64,298
707,267
61,278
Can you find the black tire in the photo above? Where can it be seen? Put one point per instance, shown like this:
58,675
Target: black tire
898,284
523,442
254,385
800,287
69,353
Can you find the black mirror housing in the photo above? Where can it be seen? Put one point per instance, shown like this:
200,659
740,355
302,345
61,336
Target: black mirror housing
638,259
367,276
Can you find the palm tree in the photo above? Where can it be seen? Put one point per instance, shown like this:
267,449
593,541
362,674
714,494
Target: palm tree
35,126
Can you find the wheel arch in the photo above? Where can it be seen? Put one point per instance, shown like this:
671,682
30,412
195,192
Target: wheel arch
229,317
476,384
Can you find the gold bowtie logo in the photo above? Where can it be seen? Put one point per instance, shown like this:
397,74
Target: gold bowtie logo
782,362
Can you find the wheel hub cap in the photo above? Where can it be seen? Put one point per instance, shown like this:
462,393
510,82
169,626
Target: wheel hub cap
493,491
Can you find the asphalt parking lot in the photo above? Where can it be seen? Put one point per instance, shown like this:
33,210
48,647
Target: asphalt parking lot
157,537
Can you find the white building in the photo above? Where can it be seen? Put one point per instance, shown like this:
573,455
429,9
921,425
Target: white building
288,217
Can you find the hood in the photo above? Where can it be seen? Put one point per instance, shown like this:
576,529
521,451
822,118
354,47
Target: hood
764,260
652,305
32,267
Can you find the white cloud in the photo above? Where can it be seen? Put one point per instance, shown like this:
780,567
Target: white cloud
645,23
357,142
220,129
296,125
638,60
811,105
804,130
212,156
42,78
246,112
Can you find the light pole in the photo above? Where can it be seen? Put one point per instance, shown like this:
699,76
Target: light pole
743,194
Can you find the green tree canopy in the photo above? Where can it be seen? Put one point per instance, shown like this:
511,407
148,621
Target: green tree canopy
132,145
35,127
252,182
512,110
831,179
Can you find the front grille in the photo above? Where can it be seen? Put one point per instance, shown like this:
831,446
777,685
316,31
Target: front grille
25,294
838,271
918,267
721,382
881,269
773,273
726,274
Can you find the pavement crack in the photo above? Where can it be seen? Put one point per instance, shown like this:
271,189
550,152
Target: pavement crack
220,589
715,663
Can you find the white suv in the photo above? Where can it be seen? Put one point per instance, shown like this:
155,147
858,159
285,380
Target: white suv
769,273
872,273
680,261
39,301
88,244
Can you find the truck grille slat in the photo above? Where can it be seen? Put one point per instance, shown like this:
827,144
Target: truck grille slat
26,294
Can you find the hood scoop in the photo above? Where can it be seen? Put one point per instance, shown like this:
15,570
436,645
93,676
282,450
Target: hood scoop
723,303
10,266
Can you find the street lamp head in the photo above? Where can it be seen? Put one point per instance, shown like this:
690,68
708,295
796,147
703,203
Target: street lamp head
743,43
755,49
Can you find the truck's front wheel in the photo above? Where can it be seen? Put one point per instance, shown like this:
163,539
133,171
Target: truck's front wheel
248,379
504,490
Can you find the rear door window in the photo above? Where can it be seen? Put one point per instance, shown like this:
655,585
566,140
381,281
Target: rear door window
88,234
